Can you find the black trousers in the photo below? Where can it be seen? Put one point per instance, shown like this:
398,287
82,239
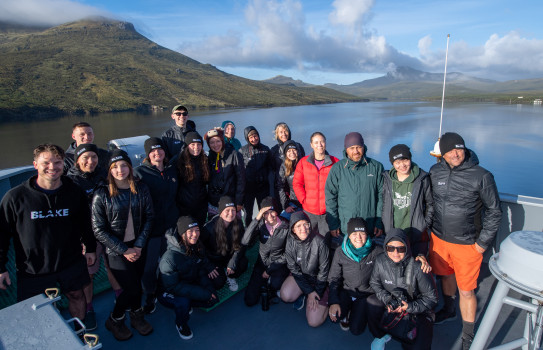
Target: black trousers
425,326
128,274
219,281
253,191
358,308
253,290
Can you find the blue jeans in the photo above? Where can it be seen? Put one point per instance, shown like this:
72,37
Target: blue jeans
180,305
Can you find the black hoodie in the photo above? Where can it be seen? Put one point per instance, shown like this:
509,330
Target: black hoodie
258,162
47,229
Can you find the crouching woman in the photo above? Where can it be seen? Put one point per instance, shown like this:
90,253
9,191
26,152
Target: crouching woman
307,259
401,288
184,271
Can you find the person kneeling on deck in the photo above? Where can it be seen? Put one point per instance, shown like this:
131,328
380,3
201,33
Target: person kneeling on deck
222,238
307,259
270,270
184,274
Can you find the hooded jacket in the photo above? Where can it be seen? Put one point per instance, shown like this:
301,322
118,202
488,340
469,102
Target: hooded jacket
229,178
351,276
233,141
466,203
308,262
258,162
309,183
110,217
354,189
183,274
388,275
209,239
284,187
271,247
174,139
163,187
421,207
47,229
88,182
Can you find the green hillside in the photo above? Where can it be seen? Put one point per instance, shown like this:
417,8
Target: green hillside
103,65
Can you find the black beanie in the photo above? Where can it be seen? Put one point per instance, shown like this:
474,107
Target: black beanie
192,137
297,216
118,154
152,143
184,223
269,202
353,139
356,224
450,141
85,147
225,202
400,151
289,145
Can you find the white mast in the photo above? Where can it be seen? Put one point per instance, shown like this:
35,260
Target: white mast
436,152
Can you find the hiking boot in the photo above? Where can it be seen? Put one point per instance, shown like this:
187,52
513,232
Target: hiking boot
299,303
232,284
466,343
150,304
90,321
138,322
444,316
184,331
344,324
117,327
379,343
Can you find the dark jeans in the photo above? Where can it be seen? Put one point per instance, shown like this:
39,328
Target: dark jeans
254,191
358,317
219,281
254,287
156,246
128,274
181,306
425,326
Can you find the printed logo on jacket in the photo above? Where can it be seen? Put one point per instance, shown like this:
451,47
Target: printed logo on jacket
40,214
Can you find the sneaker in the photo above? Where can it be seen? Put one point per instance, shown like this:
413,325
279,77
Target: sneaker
299,303
117,327
344,324
184,331
150,304
379,343
444,316
138,322
232,284
90,320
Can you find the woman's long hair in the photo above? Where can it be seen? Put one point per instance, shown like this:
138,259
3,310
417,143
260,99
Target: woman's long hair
186,167
197,249
112,186
221,239
290,165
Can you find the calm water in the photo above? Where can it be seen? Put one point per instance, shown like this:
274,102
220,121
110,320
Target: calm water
508,139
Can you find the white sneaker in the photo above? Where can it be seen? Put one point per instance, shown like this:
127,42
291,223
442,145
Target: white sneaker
232,284
379,343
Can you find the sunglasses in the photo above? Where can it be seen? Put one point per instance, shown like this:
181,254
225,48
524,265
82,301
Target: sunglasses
391,249
184,114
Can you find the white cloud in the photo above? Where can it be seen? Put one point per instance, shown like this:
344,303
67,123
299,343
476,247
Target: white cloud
46,12
350,13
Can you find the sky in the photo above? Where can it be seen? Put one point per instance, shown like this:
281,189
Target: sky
318,41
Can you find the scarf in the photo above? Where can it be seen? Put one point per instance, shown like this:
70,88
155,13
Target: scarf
352,252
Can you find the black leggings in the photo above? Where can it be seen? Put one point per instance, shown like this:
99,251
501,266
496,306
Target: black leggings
277,277
128,274
358,308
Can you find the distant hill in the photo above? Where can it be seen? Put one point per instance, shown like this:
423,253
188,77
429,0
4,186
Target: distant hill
282,80
102,65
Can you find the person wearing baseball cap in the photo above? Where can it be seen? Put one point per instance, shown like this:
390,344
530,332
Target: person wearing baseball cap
466,219
174,137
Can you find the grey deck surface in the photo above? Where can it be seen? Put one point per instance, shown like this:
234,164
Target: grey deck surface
232,325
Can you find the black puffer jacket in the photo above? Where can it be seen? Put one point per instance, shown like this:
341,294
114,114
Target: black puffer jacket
229,178
183,274
192,194
351,276
88,182
110,217
174,139
163,188
272,248
278,154
209,239
308,262
388,275
283,184
422,206
258,163
464,198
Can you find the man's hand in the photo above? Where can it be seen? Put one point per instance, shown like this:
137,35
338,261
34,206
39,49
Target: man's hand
91,258
377,232
425,267
334,233
4,277
479,248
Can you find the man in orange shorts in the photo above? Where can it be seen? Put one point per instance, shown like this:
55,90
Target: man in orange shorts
466,219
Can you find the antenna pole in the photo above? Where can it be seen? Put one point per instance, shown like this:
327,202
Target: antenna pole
444,79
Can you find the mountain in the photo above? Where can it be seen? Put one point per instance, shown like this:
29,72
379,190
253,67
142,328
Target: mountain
409,83
282,80
101,65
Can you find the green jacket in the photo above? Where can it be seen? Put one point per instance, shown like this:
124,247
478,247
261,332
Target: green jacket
354,189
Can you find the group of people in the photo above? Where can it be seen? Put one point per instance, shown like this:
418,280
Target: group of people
345,239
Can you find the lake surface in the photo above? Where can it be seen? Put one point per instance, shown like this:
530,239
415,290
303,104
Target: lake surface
508,139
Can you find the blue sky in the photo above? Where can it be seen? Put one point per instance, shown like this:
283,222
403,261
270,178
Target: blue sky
317,41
